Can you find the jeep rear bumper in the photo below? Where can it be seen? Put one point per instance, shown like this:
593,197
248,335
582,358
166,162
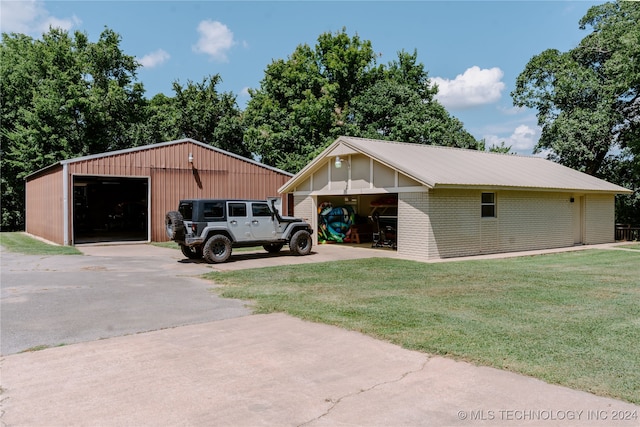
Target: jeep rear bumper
192,241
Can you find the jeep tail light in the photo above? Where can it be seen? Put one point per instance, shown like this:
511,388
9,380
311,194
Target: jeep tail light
194,228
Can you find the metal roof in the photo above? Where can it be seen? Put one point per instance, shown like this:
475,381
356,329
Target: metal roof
440,167
158,145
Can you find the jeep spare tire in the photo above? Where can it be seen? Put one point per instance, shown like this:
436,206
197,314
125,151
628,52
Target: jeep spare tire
174,225
217,249
300,243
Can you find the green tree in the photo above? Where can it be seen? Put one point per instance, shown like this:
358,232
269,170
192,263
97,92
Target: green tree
400,106
626,170
159,123
502,148
588,98
208,116
196,111
62,96
302,103
338,88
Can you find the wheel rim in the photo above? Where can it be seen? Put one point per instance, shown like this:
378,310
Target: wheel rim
219,249
303,243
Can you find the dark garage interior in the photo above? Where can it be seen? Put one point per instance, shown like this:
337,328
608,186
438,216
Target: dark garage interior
110,209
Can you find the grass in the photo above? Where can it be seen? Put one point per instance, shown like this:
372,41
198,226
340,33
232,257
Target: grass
571,319
40,348
22,243
170,245
632,246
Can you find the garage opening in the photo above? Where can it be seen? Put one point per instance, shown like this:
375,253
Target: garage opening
110,209
366,220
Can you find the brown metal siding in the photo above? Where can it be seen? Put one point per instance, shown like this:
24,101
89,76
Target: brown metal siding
44,205
212,175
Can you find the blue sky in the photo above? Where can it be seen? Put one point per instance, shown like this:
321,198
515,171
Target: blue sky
474,50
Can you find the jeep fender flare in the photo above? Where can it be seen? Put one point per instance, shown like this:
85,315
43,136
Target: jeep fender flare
294,229
209,232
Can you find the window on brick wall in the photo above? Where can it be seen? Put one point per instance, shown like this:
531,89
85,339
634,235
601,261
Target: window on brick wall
488,205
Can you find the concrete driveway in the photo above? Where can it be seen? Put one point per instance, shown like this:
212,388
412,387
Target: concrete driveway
239,369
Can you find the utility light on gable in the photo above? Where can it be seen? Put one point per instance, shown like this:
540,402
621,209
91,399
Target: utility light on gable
190,157
338,162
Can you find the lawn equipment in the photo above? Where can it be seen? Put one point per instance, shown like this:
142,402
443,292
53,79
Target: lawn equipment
386,235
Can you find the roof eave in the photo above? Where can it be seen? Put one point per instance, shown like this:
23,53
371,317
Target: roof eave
46,168
331,151
298,177
157,145
619,190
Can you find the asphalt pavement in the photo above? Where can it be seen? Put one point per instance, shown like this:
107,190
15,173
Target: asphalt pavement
127,289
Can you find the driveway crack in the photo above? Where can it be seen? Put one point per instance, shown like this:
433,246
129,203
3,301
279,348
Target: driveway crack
336,402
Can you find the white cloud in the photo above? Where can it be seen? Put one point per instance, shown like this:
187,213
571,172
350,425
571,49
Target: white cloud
215,40
154,59
32,18
522,139
512,111
475,87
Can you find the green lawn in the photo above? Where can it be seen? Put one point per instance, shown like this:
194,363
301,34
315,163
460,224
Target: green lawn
635,246
170,245
25,244
570,319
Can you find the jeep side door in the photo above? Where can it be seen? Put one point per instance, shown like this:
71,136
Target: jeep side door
238,221
262,222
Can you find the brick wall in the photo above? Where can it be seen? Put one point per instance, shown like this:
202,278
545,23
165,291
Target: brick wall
599,219
445,223
534,220
415,236
303,208
456,222
524,221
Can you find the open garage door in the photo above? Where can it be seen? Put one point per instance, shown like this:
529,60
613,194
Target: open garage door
366,219
110,209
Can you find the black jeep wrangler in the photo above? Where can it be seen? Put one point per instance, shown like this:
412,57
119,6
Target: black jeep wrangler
209,228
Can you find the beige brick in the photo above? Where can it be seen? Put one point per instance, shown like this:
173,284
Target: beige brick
599,217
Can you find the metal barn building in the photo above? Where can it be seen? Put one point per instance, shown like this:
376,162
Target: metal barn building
124,195
443,202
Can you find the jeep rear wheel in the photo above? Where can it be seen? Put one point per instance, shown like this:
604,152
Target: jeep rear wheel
217,249
273,248
300,243
174,225
191,252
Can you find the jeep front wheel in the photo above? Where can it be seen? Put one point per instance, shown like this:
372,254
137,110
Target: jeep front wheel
217,249
191,252
300,243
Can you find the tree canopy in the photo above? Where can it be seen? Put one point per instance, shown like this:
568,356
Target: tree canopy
338,88
196,111
588,99
64,96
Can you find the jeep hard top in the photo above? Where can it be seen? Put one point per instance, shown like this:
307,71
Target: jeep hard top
210,228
